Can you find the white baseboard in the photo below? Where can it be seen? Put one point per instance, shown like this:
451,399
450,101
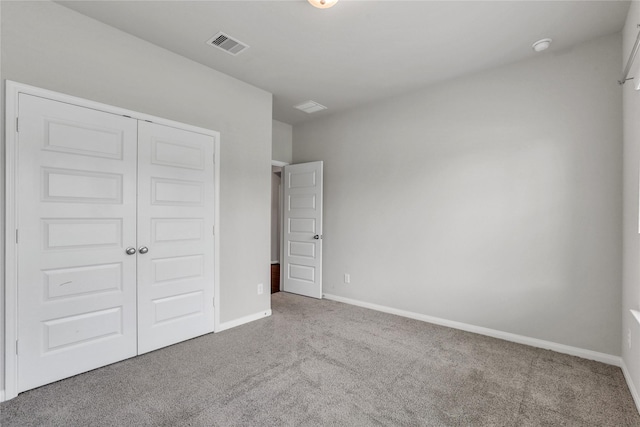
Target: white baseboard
241,321
1,395
631,385
507,336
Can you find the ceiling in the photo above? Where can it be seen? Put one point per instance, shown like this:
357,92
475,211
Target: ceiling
358,51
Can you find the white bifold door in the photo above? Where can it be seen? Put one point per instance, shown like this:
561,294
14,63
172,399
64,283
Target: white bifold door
115,238
302,234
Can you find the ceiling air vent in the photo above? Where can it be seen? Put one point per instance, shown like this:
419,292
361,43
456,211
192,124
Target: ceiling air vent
227,43
310,107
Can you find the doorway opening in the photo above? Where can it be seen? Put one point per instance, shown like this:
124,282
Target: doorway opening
300,222
297,228
276,224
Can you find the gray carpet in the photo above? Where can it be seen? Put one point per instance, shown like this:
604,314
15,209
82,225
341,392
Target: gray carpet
326,363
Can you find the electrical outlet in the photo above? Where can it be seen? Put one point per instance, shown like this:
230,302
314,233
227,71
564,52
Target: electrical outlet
260,288
629,338
347,278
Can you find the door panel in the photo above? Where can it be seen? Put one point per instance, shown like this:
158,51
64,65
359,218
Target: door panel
302,260
77,207
175,222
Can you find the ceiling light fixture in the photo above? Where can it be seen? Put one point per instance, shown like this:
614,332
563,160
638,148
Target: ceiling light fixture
541,45
323,4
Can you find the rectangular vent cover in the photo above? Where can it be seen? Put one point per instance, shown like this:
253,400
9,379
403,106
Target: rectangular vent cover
310,107
227,43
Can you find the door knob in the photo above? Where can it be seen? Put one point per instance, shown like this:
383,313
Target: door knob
143,250
317,236
130,250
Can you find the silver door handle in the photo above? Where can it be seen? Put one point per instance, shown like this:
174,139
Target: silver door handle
317,236
143,250
130,250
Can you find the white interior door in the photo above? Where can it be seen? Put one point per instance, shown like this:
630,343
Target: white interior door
76,210
175,235
302,234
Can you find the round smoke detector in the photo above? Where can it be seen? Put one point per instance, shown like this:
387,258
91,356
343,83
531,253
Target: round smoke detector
541,45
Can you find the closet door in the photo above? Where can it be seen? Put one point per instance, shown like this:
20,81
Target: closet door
76,210
175,235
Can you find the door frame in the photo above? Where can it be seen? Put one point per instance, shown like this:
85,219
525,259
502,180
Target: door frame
13,90
281,221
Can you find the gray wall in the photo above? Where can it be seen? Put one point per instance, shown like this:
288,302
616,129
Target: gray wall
493,200
47,45
631,259
282,140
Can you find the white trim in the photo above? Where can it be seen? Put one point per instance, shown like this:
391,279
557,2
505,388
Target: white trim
11,251
636,315
281,226
16,88
1,395
507,336
13,89
216,235
278,163
631,385
241,321
275,262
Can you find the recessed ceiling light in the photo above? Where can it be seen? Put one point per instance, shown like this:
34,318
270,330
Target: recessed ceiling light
323,4
541,45
310,107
